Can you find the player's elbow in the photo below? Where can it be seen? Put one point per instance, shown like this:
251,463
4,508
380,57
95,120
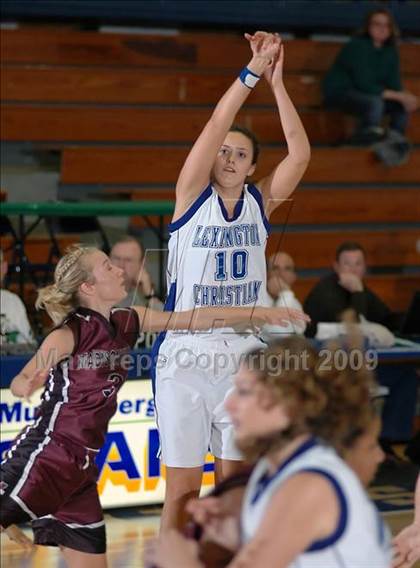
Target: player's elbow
16,387
300,161
301,156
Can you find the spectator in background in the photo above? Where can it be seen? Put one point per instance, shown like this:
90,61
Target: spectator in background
14,324
365,80
280,279
128,254
344,289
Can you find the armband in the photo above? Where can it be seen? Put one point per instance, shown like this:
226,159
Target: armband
248,78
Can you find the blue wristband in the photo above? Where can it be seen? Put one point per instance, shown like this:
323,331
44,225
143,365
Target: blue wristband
248,78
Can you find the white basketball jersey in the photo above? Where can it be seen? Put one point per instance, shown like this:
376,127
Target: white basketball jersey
215,260
361,539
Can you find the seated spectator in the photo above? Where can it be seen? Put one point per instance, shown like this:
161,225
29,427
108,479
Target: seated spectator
344,289
14,324
128,254
280,279
365,80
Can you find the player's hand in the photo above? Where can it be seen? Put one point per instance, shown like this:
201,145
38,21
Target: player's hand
350,282
264,46
274,72
258,39
202,510
261,41
279,316
23,386
18,536
407,547
170,550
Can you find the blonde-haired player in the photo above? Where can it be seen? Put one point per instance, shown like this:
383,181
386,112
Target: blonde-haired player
48,475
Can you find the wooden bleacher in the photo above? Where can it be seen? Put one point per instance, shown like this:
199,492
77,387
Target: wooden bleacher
328,206
389,247
124,109
161,165
60,124
65,46
109,85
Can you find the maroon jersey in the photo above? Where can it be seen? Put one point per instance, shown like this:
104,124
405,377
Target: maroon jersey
80,395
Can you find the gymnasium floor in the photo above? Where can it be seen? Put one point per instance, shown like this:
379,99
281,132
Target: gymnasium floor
127,532
126,538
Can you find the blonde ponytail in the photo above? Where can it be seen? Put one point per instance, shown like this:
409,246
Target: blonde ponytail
60,298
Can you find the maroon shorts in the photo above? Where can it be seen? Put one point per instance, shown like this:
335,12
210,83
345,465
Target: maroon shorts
52,483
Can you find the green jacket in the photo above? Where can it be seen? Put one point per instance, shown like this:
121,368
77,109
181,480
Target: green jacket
363,67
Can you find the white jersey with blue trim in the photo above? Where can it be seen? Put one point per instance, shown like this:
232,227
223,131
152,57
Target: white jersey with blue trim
361,539
217,261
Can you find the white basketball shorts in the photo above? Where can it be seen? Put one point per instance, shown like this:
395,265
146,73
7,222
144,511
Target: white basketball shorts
193,378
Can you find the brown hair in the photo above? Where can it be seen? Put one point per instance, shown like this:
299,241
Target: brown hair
251,136
60,298
394,30
321,399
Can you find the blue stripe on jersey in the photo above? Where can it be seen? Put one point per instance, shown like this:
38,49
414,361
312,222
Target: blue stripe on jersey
381,528
168,307
237,210
343,518
256,194
189,213
266,479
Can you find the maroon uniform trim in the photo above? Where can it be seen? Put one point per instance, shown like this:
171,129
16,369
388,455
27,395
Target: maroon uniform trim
49,475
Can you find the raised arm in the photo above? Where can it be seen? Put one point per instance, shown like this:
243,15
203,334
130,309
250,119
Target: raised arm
195,174
209,318
282,181
56,346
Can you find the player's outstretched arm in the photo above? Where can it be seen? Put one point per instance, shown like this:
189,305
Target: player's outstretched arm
286,175
195,174
56,346
209,318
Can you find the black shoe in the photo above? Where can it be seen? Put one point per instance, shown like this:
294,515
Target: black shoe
394,150
391,154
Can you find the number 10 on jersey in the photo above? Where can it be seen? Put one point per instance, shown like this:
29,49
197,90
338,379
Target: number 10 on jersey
238,265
